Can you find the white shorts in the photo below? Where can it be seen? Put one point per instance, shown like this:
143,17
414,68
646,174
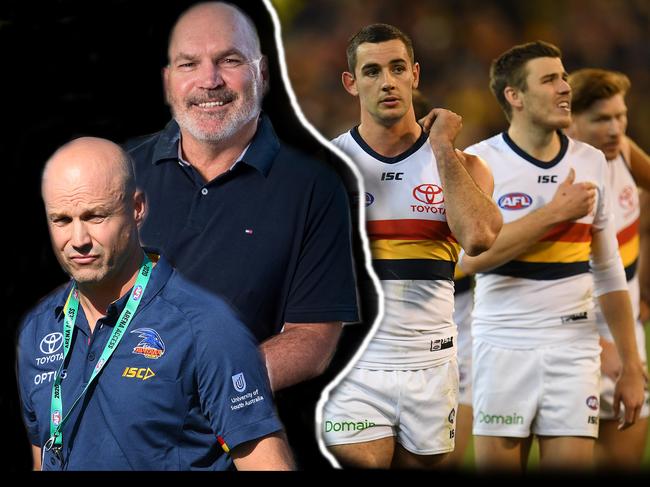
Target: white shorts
465,381
607,385
418,407
463,304
548,391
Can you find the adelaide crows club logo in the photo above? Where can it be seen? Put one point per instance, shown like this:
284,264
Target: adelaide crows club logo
151,345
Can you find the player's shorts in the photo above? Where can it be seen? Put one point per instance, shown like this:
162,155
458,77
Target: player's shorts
463,304
465,381
607,400
418,407
607,384
548,391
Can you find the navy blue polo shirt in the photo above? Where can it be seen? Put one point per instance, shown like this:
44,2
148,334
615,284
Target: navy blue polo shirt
186,376
271,235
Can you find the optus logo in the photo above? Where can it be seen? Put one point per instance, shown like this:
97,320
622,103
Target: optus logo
431,194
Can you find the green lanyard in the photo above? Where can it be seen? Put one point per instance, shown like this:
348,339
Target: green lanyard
70,316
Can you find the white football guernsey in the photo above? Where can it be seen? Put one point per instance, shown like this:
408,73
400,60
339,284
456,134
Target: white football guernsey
544,296
414,255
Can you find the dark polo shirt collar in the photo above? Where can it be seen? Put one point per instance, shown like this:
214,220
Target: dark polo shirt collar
260,154
160,274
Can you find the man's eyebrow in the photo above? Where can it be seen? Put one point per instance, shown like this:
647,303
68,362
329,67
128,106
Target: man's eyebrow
185,56
369,65
55,215
193,57
392,61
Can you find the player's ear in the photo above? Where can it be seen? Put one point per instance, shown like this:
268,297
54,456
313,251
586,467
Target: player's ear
165,78
349,83
513,96
265,74
416,75
139,207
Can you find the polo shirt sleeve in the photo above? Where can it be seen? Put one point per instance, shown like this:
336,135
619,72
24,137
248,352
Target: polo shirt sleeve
323,288
25,375
233,383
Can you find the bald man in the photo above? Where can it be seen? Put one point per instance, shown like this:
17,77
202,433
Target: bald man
129,366
244,215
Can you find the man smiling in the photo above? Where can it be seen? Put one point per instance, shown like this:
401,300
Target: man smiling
242,214
535,347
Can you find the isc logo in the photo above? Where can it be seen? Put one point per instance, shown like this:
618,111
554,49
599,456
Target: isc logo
515,201
547,178
392,176
138,373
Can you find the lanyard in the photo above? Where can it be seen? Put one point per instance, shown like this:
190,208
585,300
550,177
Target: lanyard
70,316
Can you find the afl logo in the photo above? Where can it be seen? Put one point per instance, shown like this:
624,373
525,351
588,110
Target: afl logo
515,201
592,402
137,293
430,194
626,198
370,199
51,343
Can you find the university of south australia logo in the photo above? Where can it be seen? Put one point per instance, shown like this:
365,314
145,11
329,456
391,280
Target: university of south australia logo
239,382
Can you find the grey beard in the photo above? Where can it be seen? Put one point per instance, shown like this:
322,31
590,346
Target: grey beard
232,122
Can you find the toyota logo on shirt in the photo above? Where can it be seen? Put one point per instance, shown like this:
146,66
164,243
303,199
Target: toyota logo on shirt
430,194
51,343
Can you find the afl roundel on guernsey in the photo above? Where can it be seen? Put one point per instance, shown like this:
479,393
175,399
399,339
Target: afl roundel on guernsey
430,194
515,201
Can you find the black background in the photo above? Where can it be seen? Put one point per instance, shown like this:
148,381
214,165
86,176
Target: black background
72,68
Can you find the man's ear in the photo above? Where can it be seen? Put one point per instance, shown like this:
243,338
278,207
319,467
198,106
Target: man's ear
349,83
139,207
416,75
165,78
264,72
513,96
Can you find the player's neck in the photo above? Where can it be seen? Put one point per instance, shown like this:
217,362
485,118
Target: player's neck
392,139
210,159
541,143
95,298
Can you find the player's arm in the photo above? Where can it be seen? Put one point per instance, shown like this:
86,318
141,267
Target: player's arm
270,452
472,216
610,287
644,255
639,164
302,351
36,458
570,202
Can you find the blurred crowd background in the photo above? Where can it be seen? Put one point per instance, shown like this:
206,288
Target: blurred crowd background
455,41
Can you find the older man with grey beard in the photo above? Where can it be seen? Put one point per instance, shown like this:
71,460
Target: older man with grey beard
239,212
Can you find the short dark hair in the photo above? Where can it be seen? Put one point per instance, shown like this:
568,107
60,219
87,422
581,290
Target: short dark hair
590,85
509,69
376,33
